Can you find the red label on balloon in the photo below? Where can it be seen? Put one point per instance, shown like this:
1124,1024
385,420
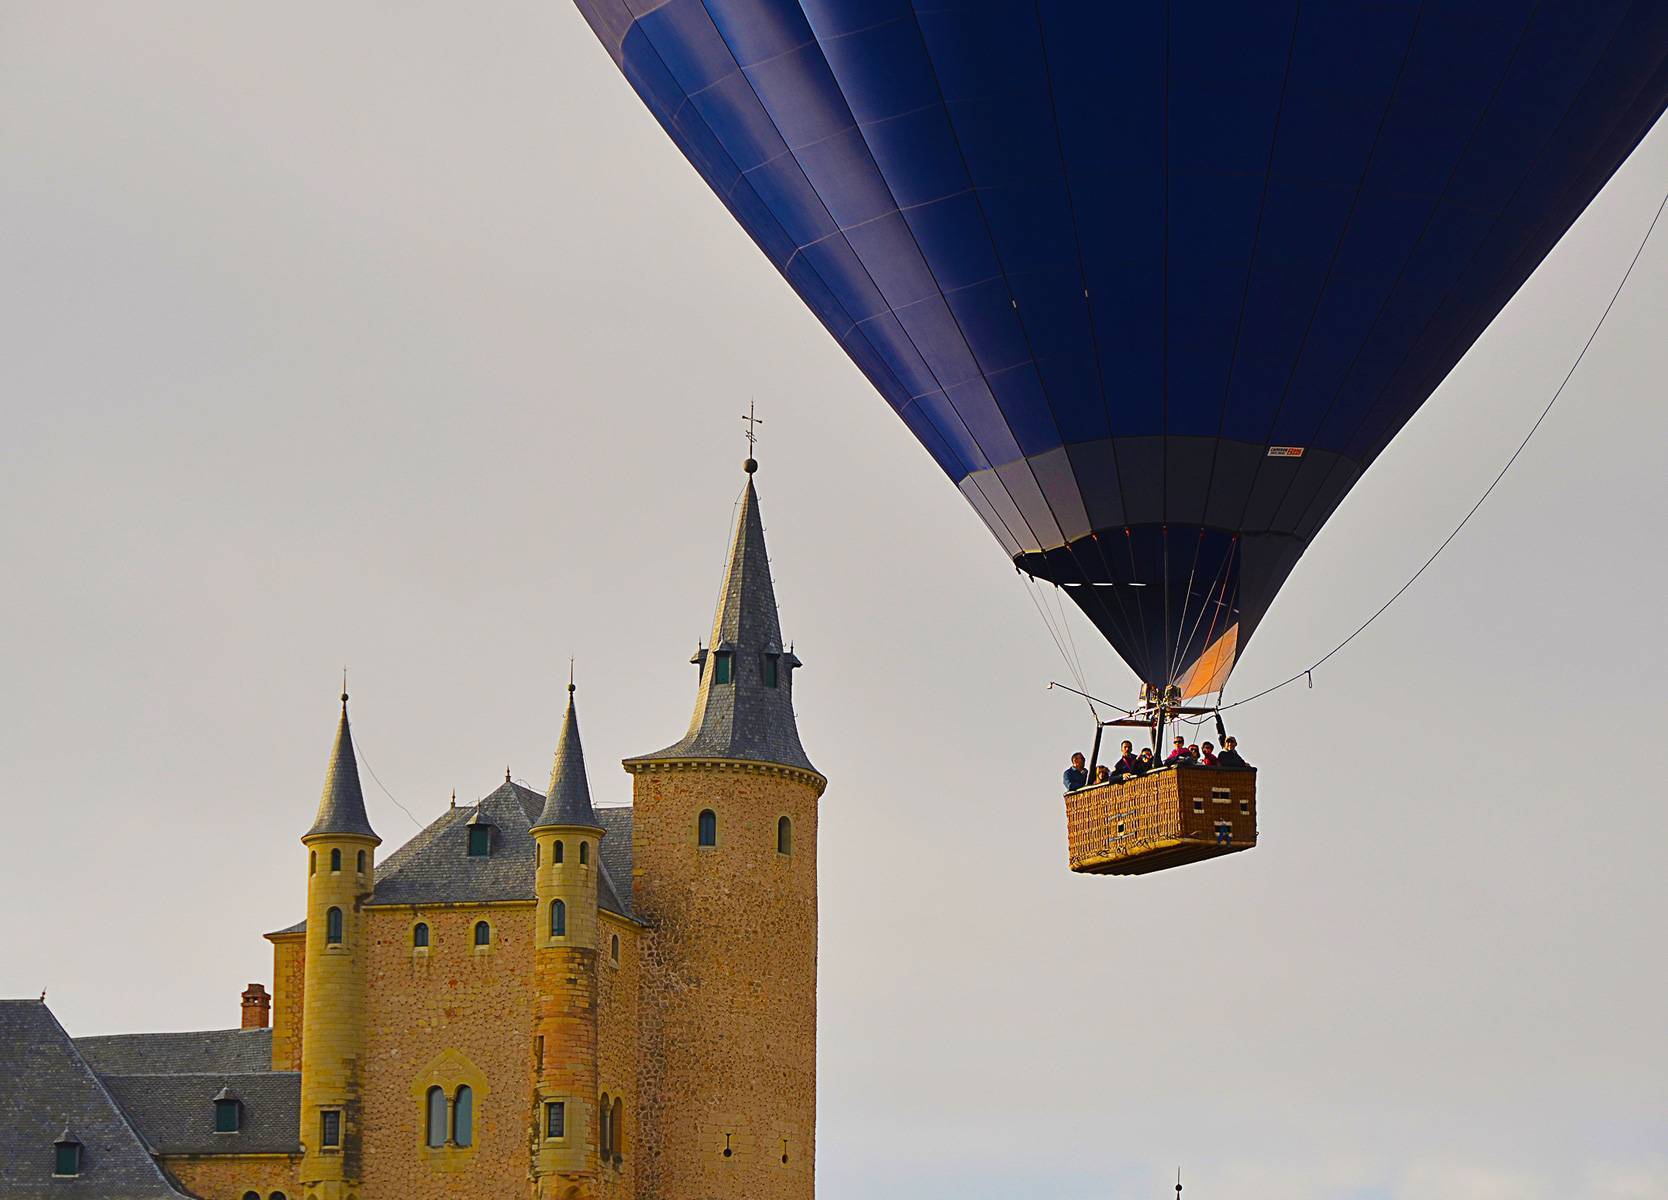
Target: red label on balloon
1285,451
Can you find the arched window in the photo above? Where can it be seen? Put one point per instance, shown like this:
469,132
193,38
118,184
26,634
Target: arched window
604,1141
333,927
420,936
614,949
584,853
784,836
251,1196
707,828
556,853
463,1116
616,1127
483,933
558,919
277,1196
335,860
361,867
435,1120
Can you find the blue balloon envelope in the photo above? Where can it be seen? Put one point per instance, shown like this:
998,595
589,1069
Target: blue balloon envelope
1152,283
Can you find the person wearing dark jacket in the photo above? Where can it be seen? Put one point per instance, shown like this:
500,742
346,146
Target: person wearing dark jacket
1127,763
1230,755
1076,776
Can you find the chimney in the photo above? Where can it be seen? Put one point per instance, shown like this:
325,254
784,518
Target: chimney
257,1007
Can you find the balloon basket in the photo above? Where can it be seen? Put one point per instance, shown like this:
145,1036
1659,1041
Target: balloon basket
1166,818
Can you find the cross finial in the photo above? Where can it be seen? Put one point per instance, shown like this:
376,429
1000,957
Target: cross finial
570,674
344,687
753,423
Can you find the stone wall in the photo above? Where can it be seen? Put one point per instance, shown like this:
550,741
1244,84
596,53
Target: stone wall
289,974
617,985
727,1081
233,1176
454,1015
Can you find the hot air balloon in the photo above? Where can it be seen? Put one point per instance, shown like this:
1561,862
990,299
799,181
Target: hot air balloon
1153,283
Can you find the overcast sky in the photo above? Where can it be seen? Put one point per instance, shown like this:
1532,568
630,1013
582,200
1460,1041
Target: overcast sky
398,335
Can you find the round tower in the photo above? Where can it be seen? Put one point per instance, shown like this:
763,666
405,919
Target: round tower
341,852
724,837
566,1162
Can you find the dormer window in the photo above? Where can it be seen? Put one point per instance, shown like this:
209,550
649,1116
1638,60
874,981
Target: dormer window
721,666
480,841
771,665
228,1112
66,1158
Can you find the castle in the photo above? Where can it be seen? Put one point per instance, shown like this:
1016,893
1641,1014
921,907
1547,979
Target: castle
533,997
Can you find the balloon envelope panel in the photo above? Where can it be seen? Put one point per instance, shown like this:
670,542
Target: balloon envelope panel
1153,284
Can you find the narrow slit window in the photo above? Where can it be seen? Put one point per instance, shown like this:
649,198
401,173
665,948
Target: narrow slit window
706,828
435,1120
335,860
604,1138
784,836
361,867
463,1116
616,1128
584,854
614,949
556,853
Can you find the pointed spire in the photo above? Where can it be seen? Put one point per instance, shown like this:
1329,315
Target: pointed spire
568,801
744,708
342,806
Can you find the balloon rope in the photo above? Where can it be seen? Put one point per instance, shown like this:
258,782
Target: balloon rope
1523,445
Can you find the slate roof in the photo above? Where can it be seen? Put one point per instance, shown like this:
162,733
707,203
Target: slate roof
743,719
342,805
568,799
45,1083
175,1112
434,867
210,1050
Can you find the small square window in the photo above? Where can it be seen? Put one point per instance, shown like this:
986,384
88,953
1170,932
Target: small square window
555,1119
67,1160
1198,804
225,1116
1245,807
480,841
330,1128
721,667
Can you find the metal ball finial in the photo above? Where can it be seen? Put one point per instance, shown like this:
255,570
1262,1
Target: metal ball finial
750,465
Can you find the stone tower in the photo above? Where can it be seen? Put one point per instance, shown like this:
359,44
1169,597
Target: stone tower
566,1163
341,850
724,843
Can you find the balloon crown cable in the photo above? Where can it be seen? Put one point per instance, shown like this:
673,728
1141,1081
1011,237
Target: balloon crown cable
1251,387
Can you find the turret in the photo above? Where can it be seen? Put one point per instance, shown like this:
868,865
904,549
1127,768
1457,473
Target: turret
568,836
724,837
341,849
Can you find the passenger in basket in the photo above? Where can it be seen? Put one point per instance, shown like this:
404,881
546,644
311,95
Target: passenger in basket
1230,755
1207,755
1103,774
1178,753
1193,754
1148,762
1076,776
1127,764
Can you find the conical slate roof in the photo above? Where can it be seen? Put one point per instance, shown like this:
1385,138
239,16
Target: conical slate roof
568,799
748,718
342,806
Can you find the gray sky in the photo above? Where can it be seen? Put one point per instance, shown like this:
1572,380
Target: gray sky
398,335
